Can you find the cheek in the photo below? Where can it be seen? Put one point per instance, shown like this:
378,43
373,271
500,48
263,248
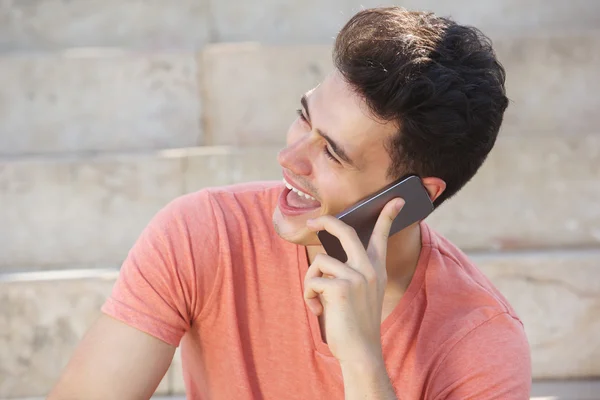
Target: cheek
336,189
341,192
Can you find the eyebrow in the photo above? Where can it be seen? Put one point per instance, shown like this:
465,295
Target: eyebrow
337,149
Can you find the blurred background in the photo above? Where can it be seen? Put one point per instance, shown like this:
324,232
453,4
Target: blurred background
109,109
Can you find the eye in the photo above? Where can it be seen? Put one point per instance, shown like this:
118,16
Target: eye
329,155
301,115
325,148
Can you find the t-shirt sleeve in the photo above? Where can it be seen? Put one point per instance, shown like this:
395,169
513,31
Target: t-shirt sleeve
168,275
491,362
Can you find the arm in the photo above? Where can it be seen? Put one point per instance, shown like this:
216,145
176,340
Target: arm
114,361
162,287
367,380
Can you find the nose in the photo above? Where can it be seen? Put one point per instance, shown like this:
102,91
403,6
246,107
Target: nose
295,157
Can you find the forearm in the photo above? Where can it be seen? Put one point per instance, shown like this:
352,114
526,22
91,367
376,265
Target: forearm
367,381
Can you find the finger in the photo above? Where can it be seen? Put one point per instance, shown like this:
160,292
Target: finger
313,302
326,265
313,288
381,232
314,305
345,233
319,288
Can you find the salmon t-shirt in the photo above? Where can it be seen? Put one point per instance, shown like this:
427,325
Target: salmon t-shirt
209,273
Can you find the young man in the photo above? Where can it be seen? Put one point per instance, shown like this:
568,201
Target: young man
238,276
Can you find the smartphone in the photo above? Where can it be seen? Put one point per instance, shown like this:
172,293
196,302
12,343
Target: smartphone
363,215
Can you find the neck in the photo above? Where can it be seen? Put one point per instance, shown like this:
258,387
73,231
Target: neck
403,253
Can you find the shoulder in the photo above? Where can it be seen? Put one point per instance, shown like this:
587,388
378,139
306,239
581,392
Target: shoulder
249,195
480,339
233,216
490,361
460,298
460,286
254,199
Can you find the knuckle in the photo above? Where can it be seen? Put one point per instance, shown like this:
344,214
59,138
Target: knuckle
310,272
319,258
356,280
307,291
350,231
307,283
370,277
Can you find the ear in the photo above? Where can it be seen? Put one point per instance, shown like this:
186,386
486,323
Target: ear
435,187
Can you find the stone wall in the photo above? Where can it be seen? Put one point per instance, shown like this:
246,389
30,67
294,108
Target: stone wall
109,109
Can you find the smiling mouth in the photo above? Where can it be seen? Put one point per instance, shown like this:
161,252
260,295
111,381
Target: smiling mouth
299,192
293,199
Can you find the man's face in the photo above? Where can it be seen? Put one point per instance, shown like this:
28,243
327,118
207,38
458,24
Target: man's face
335,153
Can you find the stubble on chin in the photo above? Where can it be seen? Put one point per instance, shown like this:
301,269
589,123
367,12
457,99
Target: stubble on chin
302,237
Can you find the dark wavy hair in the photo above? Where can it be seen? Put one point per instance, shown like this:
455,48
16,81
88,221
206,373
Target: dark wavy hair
439,81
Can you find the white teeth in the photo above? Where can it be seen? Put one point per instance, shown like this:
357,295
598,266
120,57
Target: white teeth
300,193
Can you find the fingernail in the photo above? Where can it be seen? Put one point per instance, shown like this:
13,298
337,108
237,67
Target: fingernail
399,205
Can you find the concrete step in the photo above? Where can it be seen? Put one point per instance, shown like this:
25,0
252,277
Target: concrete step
566,390
89,210
58,24
533,192
45,314
557,295
538,191
273,21
189,24
551,82
98,100
92,101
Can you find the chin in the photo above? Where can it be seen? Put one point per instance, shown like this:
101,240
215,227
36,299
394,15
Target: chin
294,230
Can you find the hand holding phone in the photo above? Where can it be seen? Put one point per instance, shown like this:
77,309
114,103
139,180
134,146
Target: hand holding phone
363,215
348,296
